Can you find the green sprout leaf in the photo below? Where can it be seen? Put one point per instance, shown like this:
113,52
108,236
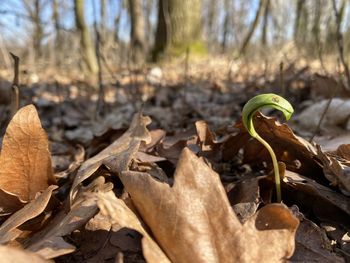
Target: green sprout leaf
250,108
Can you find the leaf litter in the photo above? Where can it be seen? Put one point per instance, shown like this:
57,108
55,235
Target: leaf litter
158,194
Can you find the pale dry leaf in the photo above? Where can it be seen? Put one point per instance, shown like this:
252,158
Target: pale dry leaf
9,231
193,222
336,170
118,155
25,161
17,255
49,243
119,216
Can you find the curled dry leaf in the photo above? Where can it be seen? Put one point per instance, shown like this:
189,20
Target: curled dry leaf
118,155
25,161
49,242
9,231
119,216
193,221
11,255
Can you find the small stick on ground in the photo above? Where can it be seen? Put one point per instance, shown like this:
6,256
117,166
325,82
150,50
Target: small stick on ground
14,87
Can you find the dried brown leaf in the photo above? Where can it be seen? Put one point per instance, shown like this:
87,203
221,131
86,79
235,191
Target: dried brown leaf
118,155
118,215
312,244
25,161
336,170
291,149
49,242
326,204
193,221
11,255
9,231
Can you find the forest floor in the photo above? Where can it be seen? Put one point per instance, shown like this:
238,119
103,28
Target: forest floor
162,169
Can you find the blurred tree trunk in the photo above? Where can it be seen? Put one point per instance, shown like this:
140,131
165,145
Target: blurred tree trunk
301,23
226,25
298,12
103,22
265,23
56,22
117,23
89,55
179,28
211,18
137,33
148,16
38,31
259,11
34,13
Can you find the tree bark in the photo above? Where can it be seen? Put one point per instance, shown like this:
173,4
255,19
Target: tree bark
179,27
89,55
137,33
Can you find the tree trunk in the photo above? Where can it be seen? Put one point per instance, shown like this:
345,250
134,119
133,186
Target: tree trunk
262,5
301,23
211,20
299,8
265,23
226,25
137,33
56,21
148,17
89,55
103,21
33,9
179,27
38,31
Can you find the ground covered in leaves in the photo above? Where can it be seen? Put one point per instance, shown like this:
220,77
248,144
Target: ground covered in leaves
164,170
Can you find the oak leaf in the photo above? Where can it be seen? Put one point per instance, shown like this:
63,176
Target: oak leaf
192,221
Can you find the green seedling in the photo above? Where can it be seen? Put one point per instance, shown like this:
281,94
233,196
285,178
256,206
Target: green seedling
250,108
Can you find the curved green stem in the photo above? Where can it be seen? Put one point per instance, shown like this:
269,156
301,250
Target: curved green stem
275,167
250,108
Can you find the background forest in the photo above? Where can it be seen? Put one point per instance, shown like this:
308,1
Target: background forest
127,131
61,34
